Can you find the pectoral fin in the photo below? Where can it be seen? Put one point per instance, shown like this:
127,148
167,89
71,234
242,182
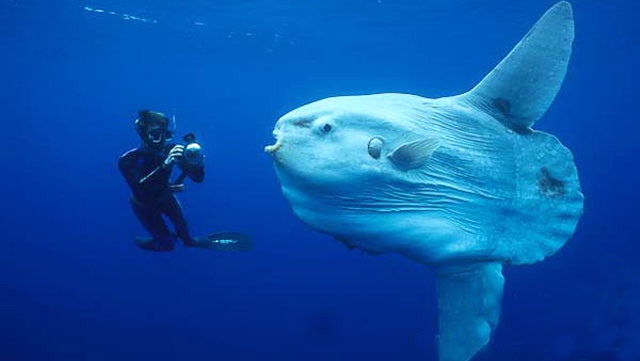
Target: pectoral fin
414,154
469,300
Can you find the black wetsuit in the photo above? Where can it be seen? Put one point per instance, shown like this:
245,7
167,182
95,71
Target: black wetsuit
154,197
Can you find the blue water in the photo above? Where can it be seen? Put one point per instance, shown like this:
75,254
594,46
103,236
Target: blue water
74,286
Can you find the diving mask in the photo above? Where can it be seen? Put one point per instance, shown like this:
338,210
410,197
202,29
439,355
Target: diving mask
158,135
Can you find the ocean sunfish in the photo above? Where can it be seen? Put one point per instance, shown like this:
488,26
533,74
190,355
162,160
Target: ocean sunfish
461,184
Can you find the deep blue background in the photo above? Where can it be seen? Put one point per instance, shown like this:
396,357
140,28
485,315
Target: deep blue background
73,286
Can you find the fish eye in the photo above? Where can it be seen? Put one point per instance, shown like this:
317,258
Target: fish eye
375,147
326,128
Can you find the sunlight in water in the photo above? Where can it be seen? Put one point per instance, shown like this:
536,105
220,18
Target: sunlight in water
122,16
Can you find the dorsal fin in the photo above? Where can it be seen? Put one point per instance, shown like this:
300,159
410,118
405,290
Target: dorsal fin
520,89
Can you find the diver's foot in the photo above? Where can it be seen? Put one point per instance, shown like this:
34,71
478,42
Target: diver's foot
150,244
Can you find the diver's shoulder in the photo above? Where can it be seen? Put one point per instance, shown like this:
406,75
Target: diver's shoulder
131,153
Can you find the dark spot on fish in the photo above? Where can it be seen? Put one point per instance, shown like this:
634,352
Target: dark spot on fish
352,246
503,106
550,186
567,216
303,122
345,242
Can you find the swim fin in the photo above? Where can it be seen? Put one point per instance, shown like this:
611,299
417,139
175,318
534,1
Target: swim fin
226,241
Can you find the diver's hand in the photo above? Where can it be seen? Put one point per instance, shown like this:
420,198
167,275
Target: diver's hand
175,155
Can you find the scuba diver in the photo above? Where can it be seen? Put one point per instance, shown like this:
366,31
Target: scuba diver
147,170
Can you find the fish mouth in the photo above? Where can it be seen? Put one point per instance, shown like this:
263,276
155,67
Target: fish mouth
273,148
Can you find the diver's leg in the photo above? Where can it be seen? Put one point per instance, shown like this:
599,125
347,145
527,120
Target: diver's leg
173,210
151,219
223,241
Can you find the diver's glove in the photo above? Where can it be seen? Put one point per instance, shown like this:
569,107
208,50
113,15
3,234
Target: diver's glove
175,155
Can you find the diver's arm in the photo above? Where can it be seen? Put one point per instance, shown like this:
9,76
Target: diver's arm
129,171
175,156
193,171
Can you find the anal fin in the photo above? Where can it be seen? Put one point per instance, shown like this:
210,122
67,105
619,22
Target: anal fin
469,299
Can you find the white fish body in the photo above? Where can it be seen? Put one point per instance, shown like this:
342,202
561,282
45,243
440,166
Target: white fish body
462,184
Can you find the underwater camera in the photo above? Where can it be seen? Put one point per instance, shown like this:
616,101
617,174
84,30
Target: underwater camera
192,151
192,155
